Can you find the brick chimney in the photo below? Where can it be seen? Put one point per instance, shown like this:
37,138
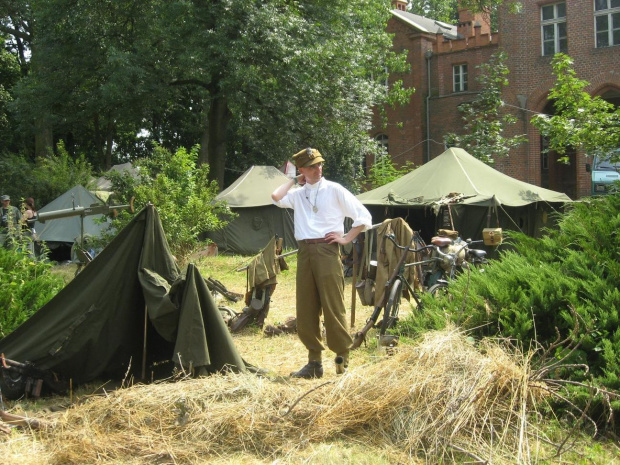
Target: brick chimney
471,24
400,4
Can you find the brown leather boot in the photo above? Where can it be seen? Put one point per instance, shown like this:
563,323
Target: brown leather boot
313,369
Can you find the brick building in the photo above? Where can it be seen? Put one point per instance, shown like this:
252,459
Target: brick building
443,60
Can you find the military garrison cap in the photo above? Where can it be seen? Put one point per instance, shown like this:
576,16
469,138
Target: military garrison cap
307,157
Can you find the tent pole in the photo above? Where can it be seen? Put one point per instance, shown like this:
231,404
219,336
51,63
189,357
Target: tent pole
353,278
144,345
82,232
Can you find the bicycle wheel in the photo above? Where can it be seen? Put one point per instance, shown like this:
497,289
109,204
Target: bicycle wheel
390,316
438,290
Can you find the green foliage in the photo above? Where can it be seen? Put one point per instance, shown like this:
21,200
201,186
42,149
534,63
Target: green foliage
57,173
181,192
580,122
440,10
15,178
514,6
541,288
26,284
44,180
302,73
485,119
383,171
9,75
447,10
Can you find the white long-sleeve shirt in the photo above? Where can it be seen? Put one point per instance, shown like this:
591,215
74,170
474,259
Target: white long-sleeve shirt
322,207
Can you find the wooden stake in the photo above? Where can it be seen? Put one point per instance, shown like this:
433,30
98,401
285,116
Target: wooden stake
353,279
146,318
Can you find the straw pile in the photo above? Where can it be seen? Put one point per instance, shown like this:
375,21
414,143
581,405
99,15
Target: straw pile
443,399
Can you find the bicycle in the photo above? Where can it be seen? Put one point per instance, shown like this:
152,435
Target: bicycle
435,280
390,301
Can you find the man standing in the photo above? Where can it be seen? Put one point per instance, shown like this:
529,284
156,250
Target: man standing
9,220
320,209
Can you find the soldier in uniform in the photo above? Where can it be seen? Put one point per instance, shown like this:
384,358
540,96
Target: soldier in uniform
9,220
320,209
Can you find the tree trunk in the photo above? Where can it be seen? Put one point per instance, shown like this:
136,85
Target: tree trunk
219,117
43,139
107,161
98,139
203,155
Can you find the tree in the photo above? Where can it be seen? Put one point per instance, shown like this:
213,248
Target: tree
279,75
441,10
250,80
9,74
580,122
447,10
16,23
485,120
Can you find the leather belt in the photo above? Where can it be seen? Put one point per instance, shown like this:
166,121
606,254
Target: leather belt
322,240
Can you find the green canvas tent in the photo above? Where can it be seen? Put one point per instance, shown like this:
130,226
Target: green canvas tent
259,219
456,189
97,327
63,232
103,186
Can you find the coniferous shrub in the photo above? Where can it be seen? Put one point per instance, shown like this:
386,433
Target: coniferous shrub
563,285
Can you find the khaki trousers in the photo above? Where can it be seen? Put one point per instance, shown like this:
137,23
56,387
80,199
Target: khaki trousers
320,290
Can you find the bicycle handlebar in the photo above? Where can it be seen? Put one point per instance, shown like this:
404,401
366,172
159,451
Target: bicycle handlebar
392,238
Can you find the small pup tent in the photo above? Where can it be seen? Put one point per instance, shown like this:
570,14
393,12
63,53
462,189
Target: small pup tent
259,219
127,313
457,191
63,232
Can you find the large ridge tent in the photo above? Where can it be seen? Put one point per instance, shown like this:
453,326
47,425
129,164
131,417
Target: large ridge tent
259,219
456,190
129,310
64,232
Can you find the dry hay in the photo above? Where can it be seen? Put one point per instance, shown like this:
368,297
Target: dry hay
440,400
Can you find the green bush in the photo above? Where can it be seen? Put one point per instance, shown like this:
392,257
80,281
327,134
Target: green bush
26,284
565,284
180,191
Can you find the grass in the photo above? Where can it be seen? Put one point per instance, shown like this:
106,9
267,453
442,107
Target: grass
266,352
437,399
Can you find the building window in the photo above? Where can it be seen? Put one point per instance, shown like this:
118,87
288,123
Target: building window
383,78
553,24
544,153
382,139
460,78
607,22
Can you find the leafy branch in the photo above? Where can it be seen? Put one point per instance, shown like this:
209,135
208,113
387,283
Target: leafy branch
581,122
